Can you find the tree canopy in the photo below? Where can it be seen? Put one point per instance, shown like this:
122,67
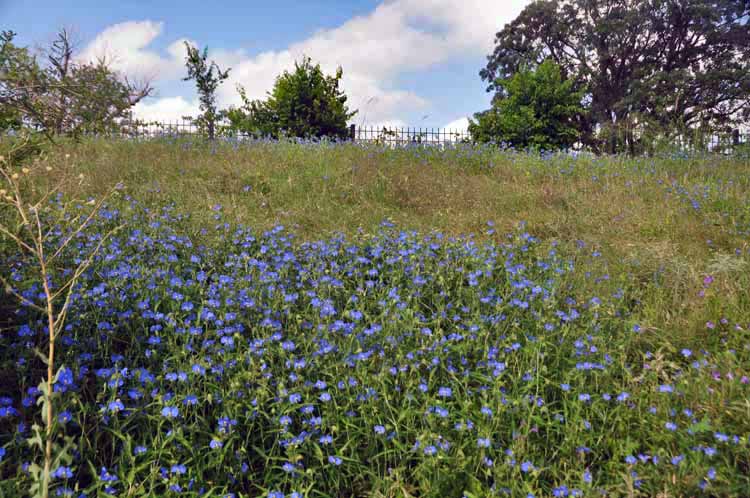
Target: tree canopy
303,103
533,108
664,64
61,96
207,78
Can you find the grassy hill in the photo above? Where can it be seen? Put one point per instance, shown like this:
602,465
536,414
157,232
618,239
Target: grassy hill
662,223
278,319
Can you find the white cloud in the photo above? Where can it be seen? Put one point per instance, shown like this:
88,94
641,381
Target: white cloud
125,46
397,36
460,124
166,109
470,26
390,124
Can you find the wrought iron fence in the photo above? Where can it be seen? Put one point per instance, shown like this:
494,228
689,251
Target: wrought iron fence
408,135
396,136
372,134
141,128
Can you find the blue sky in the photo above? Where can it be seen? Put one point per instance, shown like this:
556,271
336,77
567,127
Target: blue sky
405,62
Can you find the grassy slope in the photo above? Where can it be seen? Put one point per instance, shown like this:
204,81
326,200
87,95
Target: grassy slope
637,212
661,225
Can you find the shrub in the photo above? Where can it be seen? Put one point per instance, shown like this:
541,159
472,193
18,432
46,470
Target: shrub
535,108
207,78
62,97
304,103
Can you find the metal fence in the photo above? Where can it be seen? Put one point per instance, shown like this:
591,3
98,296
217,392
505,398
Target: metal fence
724,143
408,135
397,136
139,128
383,135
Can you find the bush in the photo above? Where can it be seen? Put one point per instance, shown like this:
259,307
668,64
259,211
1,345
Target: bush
62,97
535,108
207,78
305,103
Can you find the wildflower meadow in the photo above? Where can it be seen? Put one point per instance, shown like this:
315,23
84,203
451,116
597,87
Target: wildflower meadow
274,319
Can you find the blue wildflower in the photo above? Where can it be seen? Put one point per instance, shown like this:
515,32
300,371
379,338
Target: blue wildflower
170,412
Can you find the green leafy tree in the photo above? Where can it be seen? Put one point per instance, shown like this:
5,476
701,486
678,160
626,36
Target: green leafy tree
10,56
254,117
303,103
9,120
207,78
659,64
61,96
533,108
18,70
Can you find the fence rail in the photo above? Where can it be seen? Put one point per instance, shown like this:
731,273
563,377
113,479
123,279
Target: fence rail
714,142
395,135
406,135
385,135
139,128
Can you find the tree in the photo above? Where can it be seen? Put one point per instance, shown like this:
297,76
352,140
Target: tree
304,103
9,120
18,73
10,55
63,96
533,108
207,78
669,64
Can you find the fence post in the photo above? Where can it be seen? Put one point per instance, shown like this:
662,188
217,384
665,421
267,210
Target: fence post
352,132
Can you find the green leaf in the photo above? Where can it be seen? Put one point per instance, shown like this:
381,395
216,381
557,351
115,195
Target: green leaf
702,426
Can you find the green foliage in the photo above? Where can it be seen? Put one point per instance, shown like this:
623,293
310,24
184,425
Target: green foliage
62,96
24,212
16,65
22,147
186,310
10,57
255,117
658,67
105,101
304,103
10,119
534,108
207,78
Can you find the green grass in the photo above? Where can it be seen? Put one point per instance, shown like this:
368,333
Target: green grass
649,235
654,253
